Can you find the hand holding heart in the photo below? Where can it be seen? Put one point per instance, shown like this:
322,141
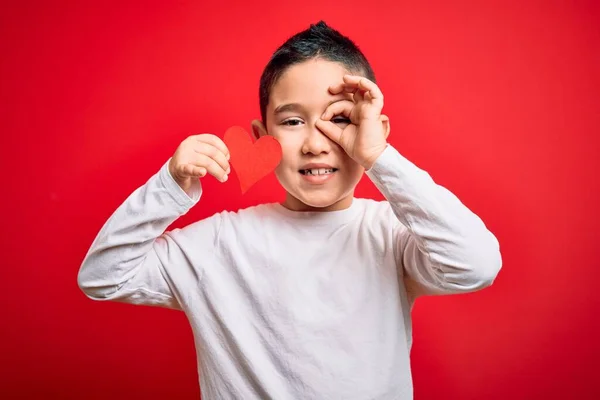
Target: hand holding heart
198,155
364,139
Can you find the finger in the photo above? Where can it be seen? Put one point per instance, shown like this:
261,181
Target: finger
359,95
213,168
216,142
193,170
349,96
360,87
342,88
346,95
214,153
342,107
331,130
337,88
360,82
351,83
354,92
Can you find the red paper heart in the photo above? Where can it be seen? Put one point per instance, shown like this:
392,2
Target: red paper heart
251,161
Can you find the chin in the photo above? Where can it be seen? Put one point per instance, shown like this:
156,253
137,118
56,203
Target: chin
315,201
318,201
318,198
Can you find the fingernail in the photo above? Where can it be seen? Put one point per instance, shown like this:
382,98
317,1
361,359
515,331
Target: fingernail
225,178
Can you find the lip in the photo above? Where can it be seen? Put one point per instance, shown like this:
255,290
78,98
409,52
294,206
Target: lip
318,179
316,166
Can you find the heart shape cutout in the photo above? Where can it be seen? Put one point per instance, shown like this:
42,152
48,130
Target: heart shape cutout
251,161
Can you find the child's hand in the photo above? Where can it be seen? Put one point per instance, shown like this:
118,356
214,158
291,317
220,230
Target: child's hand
364,139
198,155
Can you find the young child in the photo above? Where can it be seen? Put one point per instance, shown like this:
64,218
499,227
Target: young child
311,298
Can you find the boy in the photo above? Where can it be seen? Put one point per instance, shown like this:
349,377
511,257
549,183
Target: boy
311,298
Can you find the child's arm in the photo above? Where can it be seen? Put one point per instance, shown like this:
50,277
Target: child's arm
441,245
133,259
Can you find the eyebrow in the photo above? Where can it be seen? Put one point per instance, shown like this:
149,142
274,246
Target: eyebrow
295,107
287,107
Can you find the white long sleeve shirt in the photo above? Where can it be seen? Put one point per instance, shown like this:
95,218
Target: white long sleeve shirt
296,305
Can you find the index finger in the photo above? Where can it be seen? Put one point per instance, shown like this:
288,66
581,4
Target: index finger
365,84
352,83
215,141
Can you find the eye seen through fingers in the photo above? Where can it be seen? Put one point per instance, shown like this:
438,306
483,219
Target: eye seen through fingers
339,119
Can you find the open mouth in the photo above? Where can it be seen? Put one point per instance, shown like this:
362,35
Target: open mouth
318,171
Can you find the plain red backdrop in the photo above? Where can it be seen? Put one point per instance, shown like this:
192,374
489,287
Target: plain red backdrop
497,101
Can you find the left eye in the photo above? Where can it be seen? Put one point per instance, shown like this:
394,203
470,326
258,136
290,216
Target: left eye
342,120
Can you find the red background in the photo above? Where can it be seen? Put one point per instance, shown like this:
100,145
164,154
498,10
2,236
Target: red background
497,101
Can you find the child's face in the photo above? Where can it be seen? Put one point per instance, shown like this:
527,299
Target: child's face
297,101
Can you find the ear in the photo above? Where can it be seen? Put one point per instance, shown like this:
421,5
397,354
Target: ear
386,124
258,129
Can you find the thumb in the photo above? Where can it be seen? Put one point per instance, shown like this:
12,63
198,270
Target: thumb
331,130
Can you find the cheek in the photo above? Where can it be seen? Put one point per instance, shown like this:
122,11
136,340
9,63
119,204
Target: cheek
289,158
291,146
355,171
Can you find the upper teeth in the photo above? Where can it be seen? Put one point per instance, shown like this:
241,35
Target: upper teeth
318,171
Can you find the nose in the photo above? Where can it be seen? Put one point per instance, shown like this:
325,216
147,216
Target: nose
316,142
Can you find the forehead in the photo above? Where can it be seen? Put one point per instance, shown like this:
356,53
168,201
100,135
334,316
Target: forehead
307,83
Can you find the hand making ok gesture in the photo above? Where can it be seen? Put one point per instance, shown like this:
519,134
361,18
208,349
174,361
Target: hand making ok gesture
365,137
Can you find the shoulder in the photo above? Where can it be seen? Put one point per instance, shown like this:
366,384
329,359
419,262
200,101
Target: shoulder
377,226
376,217
256,211
379,211
252,215
227,218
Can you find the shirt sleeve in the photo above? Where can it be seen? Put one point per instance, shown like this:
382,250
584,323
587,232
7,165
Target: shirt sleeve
132,258
441,246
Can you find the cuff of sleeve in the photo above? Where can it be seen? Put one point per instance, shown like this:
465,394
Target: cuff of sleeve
183,200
